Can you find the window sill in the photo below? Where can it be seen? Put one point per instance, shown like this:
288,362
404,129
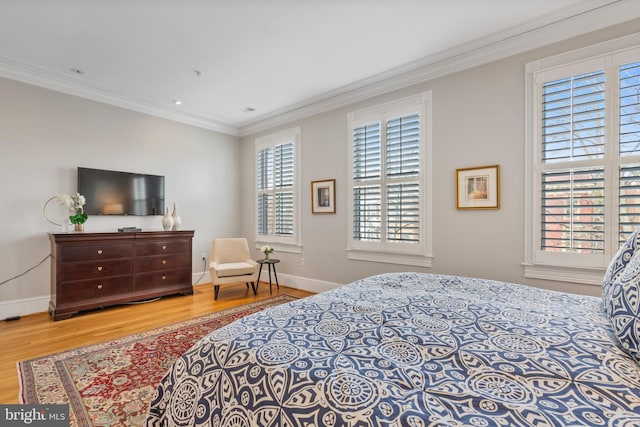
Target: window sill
281,247
390,258
588,276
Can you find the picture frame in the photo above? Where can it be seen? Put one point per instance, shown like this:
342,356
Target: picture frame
323,196
478,187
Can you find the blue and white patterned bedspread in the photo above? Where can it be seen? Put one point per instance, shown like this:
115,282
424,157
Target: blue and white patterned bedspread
409,349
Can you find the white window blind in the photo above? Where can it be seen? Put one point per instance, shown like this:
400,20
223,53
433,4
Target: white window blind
367,195
402,170
398,206
573,118
266,219
629,177
388,187
573,124
587,172
573,210
276,188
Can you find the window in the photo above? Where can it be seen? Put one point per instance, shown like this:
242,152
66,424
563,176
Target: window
389,199
584,150
277,189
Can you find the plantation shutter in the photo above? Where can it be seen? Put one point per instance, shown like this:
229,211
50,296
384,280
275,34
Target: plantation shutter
572,186
367,197
573,211
403,146
284,189
629,213
275,190
582,195
265,198
402,172
386,181
573,161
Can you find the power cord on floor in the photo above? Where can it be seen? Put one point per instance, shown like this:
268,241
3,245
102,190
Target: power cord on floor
25,272
204,271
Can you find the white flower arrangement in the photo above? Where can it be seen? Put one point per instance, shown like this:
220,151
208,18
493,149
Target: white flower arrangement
74,203
266,250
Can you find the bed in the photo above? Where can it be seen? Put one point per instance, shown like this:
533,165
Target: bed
412,349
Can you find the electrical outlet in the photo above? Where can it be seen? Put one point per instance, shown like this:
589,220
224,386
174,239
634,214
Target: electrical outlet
204,256
301,260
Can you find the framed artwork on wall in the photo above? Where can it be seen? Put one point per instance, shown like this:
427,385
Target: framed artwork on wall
323,196
478,187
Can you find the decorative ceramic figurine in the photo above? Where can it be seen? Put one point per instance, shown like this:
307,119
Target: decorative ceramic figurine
177,221
167,221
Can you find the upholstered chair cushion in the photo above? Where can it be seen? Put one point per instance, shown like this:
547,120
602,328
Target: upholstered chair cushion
235,269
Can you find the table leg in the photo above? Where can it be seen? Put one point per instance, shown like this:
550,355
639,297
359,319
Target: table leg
269,268
259,273
274,273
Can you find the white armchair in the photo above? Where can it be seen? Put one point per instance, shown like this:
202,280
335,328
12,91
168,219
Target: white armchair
230,262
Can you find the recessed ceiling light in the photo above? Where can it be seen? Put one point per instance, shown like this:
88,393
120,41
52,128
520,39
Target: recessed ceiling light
177,102
76,71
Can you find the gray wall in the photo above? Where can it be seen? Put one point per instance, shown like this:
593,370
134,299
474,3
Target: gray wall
478,119
46,135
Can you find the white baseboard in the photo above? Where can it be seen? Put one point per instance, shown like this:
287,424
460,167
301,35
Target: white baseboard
200,278
23,307
305,283
27,306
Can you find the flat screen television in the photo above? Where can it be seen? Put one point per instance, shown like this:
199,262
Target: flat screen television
121,193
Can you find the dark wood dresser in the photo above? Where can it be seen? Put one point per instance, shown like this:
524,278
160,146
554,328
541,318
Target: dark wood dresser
95,270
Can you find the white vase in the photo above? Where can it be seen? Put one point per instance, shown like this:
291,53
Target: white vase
177,221
167,221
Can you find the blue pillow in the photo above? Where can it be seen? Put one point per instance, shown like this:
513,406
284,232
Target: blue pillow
618,263
624,307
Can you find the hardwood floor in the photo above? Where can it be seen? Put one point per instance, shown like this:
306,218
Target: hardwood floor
37,335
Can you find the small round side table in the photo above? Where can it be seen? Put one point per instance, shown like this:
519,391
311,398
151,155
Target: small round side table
271,264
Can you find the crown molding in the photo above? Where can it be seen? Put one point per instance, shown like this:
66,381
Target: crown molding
54,80
573,21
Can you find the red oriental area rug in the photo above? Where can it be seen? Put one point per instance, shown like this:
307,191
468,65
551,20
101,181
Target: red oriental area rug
112,383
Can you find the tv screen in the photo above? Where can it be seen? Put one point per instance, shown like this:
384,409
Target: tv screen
121,193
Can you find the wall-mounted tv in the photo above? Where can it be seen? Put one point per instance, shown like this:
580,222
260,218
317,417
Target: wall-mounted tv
121,193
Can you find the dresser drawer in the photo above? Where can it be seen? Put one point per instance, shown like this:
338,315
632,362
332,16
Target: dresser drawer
162,262
160,279
96,288
162,247
96,252
96,269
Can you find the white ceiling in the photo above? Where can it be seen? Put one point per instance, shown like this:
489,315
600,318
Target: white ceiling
277,56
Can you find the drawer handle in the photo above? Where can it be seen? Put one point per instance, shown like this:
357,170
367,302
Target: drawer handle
100,268
164,261
99,286
164,277
164,247
99,251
